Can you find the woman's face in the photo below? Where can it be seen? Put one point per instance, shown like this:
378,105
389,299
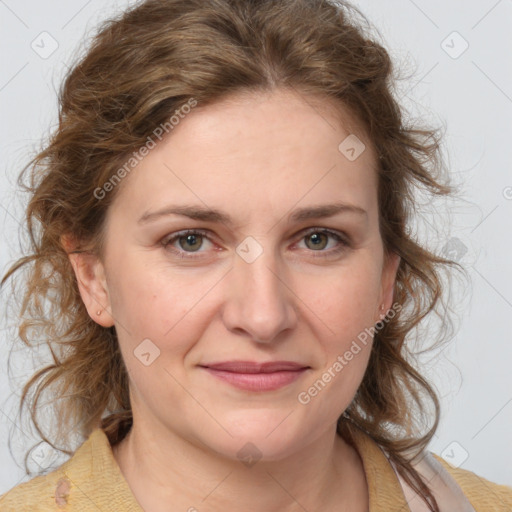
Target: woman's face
264,279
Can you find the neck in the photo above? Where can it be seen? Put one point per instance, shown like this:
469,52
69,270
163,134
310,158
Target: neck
166,472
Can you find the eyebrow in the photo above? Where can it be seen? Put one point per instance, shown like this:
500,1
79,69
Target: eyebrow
211,215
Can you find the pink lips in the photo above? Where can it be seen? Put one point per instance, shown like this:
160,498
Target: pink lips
254,376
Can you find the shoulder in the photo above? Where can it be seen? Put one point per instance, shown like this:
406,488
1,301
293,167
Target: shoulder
484,495
89,481
41,494
60,489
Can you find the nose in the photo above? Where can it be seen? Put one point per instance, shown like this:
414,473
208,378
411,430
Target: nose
260,303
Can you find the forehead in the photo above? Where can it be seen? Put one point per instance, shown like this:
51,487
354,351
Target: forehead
259,153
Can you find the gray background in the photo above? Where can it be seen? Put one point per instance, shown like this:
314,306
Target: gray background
466,90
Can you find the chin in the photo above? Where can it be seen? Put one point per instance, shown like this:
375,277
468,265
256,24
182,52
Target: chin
264,435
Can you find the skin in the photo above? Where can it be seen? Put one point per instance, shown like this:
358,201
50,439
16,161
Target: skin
258,157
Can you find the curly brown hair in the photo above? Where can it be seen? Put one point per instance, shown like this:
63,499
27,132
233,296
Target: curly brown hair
148,63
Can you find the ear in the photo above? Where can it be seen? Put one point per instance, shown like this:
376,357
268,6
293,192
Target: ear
92,284
389,270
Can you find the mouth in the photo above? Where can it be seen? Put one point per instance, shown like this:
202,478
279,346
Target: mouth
254,376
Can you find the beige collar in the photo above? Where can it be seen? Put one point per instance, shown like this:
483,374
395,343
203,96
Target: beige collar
94,459
97,477
384,489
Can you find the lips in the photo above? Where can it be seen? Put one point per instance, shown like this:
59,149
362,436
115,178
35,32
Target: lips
254,376
253,367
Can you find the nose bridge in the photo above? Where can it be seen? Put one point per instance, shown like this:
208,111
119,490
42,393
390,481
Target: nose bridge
260,301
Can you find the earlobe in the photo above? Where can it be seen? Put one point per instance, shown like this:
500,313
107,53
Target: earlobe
90,275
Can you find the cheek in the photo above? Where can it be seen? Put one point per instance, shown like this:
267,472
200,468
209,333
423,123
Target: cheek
346,353
168,307
346,301
155,297
346,307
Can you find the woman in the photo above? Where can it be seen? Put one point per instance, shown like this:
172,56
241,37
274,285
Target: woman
223,237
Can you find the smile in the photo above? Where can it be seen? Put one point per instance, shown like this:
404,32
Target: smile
256,376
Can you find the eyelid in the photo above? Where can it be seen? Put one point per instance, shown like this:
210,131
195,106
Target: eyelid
342,238
331,232
344,241
168,240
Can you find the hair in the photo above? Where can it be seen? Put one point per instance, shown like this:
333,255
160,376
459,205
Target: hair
141,67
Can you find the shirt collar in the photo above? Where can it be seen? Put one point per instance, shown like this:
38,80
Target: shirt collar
96,477
385,491
94,473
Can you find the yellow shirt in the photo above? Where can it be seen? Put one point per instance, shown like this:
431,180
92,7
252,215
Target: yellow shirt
91,481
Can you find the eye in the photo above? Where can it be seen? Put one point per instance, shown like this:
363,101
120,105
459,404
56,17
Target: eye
192,239
317,239
189,242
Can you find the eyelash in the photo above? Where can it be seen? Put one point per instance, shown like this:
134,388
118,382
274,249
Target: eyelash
343,241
